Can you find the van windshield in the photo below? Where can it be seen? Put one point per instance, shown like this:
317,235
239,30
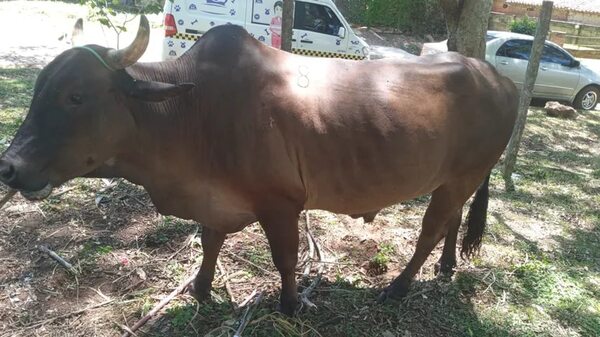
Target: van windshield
316,18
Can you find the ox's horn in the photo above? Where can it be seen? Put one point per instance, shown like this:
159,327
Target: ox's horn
123,58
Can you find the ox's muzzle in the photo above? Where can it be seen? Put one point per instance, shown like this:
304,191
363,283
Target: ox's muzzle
14,174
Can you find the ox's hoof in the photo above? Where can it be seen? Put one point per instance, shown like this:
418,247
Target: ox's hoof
288,308
446,269
201,295
394,291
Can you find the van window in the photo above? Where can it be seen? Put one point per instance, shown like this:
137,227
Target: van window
316,18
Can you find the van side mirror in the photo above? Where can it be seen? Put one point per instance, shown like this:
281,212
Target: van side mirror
342,32
575,63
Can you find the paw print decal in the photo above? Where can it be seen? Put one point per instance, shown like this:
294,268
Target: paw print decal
337,41
267,11
232,12
354,42
182,45
170,43
177,8
212,23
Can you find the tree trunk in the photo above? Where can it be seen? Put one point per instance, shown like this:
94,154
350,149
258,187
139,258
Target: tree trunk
467,22
530,76
287,24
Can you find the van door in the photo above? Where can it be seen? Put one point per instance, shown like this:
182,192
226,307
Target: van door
195,17
200,16
263,21
317,31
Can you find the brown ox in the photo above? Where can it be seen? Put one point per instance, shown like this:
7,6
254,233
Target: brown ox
252,133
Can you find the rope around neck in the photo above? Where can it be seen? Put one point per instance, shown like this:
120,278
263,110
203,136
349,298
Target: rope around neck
97,56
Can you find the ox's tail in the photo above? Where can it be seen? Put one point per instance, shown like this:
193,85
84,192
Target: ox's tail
476,220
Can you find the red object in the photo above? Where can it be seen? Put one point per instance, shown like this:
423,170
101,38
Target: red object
170,26
275,28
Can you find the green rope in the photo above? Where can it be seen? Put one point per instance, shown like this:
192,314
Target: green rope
96,55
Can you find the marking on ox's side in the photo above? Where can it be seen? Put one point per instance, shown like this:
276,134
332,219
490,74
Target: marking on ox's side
303,80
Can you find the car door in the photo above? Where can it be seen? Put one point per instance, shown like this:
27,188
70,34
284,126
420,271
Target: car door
316,30
556,77
512,58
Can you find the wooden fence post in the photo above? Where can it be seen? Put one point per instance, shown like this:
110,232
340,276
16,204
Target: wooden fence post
525,99
287,25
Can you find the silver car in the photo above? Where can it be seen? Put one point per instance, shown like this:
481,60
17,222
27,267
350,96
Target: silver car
560,77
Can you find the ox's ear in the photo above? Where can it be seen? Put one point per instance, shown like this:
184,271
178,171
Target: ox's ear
77,35
157,91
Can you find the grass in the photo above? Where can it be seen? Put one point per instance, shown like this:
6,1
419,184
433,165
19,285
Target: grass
168,228
538,273
379,262
16,88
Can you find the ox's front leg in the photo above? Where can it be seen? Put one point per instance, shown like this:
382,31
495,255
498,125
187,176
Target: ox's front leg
282,232
212,241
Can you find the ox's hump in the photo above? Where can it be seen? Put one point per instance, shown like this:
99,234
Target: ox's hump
224,44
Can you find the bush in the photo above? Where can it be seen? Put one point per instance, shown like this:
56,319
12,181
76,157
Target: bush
525,25
423,16
355,11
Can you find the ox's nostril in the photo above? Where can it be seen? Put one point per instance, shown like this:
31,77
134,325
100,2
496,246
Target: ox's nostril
7,172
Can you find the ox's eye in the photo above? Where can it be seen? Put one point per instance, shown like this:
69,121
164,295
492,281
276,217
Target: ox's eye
75,99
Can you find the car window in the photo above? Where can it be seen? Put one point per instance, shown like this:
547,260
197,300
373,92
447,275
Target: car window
517,49
316,18
552,54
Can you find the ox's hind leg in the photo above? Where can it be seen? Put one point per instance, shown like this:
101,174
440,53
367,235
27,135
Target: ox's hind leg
281,228
447,261
443,211
212,241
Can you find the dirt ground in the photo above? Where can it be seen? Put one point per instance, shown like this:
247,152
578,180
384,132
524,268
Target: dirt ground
538,273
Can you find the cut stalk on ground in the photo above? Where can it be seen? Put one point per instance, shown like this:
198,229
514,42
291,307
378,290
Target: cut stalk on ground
160,305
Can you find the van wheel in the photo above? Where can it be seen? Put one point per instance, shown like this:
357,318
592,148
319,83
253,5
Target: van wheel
587,98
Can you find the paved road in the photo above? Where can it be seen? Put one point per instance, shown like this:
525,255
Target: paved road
379,52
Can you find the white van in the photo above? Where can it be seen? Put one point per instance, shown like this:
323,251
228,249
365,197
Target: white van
319,27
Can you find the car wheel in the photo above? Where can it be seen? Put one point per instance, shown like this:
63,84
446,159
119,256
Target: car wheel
587,98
